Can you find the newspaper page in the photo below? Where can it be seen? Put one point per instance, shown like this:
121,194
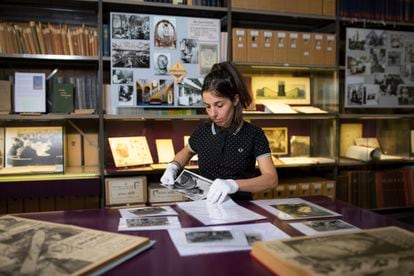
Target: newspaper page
35,247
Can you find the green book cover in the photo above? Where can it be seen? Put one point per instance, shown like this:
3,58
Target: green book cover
61,98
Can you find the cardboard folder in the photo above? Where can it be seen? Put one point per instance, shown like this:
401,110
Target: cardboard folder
293,48
239,45
330,51
253,45
307,46
280,55
318,52
267,45
329,7
315,7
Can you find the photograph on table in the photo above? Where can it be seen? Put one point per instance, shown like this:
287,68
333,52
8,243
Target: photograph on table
191,185
278,139
283,89
130,151
322,226
34,146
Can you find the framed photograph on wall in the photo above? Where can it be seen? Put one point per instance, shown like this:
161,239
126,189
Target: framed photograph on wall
278,139
284,89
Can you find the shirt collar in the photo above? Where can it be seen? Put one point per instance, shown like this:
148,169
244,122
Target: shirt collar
216,129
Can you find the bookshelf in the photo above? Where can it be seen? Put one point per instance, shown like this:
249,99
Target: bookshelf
326,88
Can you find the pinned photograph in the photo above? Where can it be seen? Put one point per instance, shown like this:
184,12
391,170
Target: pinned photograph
130,26
189,50
405,95
357,65
209,55
371,94
278,139
189,92
130,54
165,33
394,58
409,51
377,60
376,38
126,95
162,62
191,185
155,92
355,94
120,76
356,41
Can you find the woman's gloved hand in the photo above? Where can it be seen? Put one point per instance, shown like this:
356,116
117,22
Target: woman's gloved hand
220,189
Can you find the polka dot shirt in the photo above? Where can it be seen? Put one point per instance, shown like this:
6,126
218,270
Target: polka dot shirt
228,153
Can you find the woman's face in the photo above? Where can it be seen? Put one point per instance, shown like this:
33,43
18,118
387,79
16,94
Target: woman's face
219,109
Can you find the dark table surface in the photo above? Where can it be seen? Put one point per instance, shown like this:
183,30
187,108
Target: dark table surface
163,258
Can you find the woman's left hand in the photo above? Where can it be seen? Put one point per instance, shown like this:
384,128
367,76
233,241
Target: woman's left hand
220,189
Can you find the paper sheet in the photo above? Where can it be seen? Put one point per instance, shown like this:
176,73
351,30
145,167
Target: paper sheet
148,223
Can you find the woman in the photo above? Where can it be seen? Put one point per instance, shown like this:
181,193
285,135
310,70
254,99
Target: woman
227,147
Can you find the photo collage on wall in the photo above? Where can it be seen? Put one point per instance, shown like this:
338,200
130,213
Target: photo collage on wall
161,60
379,69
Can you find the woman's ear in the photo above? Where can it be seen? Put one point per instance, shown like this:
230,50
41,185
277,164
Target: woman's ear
236,100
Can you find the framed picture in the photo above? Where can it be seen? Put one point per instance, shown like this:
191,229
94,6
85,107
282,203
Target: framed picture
125,190
34,146
130,151
285,89
278,139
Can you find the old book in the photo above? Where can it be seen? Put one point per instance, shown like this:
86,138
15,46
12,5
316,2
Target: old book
361,252
73,150
160,194
60,97
349,132
90,149
89,251
29,92
6,97
2,155
165,150
125,190
130,151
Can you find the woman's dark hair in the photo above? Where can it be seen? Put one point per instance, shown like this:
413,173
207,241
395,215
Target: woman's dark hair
225,80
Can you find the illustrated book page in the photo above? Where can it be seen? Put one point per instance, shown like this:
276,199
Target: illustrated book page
190,185
33,247
226,238
130,151
378,251
294,208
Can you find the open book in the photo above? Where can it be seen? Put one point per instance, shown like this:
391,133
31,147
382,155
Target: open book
191,185
33,247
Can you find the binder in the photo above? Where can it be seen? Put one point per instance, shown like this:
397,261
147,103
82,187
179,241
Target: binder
307,46
302,6
267,45
272,5
315,7
280,55
318,52
304,189
330,52
253,45
293,48
316,188
239,45
329,188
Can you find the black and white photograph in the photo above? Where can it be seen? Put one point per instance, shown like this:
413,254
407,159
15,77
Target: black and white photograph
377,60
389,85
191,185
126,95
376,38
322,226
371,94
409,51
28,146
208,236
130,26
130,54
121,76
405,95
189,50
300,210
356,41
355,94
357,65
189,92
165,32
162,62
150,211
209,55
278,139
396,40
394,58
147,221
155,92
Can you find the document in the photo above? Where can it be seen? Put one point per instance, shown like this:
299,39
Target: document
147,212
148,223
212,214
217,239
322,226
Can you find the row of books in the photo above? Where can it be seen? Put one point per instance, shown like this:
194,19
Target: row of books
74,93
388,10
377,189
48,39
316,7
299,187
253,45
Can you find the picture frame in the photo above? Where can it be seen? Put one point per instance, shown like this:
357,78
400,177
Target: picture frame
282,89
130,151
278,139
34,147
125,190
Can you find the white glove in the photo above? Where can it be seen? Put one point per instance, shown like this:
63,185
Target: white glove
170,174
220,189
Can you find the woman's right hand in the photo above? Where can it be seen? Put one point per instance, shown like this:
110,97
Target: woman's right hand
170,174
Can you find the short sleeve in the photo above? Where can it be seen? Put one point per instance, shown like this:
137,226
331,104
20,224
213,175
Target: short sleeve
261,144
